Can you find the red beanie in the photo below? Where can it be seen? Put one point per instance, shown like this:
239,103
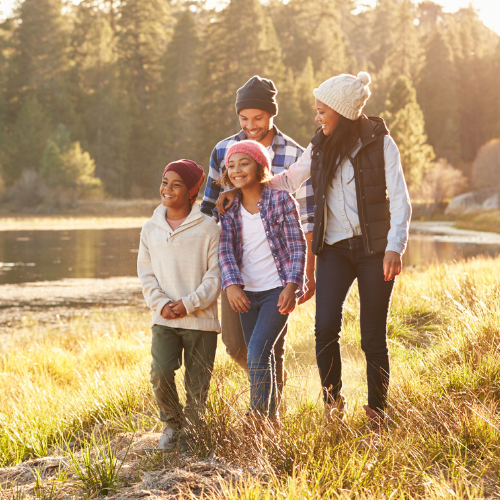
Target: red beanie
252,148
191,173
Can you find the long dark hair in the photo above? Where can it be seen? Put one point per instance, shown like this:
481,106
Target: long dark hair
337,146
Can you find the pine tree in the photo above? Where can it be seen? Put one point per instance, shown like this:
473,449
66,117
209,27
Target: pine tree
177,124
41,62
312,29
145,28
100,97
26,140
382,33
406,123
437,93
240,43
404,56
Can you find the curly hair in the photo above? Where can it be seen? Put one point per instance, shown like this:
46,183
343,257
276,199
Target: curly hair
263,175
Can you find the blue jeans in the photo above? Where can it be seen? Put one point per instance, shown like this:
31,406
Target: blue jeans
262,325
337,268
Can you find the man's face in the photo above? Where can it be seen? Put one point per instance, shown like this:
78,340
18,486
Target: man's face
255,123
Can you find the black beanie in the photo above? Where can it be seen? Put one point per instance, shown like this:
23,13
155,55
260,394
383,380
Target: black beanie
257,93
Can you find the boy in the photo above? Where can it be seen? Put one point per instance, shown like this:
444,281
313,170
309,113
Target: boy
179,271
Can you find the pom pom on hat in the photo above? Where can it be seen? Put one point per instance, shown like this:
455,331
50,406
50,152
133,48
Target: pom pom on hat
346,94
364,77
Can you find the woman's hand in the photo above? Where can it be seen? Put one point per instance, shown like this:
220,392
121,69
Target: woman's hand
392,265
167,312
179,308
238,299
286,301
225,200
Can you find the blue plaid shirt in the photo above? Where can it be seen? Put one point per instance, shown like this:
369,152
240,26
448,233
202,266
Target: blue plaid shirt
283,152
279,214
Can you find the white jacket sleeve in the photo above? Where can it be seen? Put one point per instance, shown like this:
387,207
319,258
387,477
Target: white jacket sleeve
210,286
154,295
290,180
400,206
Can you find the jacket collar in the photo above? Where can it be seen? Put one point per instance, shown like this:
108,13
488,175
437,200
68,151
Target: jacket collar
369,129
265,199
159,218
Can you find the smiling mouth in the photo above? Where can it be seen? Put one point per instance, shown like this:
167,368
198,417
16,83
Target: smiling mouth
238,178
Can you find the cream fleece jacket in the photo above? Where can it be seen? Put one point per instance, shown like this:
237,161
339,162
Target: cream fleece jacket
181,264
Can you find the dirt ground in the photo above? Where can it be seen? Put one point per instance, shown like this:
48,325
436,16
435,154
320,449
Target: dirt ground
143,472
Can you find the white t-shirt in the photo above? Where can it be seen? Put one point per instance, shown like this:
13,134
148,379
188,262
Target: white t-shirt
258,270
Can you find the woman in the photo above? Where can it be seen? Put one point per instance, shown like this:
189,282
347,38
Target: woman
360,230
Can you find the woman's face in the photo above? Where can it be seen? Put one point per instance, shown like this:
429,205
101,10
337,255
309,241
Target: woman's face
326,117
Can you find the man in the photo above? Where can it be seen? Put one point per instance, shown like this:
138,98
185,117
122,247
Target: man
256,107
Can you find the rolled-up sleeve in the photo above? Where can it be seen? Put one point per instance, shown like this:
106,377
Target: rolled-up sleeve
399,198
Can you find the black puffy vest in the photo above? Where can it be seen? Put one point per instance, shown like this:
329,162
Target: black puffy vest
371,187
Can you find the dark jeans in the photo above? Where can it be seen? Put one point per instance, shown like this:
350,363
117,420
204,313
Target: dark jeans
167,348
262,326
337,268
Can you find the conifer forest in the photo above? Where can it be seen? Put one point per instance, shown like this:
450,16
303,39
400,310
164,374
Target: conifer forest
101,95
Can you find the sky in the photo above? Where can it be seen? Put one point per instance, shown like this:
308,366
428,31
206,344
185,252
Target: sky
489,10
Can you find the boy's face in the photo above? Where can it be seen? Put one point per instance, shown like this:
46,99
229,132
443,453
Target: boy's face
174,193
256,123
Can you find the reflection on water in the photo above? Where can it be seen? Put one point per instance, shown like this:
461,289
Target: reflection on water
423,249
53,255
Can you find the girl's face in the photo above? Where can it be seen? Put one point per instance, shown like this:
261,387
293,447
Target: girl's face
326,117
242,171
174,193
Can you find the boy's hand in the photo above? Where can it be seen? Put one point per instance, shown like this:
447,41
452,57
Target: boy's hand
238,299
286,301
225,200
167,312
179,308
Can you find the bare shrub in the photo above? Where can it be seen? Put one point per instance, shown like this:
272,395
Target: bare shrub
27,192
486,166
439,184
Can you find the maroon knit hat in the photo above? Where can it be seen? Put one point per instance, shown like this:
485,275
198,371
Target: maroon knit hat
252,148
191,173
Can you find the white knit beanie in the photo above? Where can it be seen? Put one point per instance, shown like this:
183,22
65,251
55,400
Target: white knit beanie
346,94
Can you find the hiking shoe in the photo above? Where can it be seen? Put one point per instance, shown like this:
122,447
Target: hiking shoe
335,411
168,439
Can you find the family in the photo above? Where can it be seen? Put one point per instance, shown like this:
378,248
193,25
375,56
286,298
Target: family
269,251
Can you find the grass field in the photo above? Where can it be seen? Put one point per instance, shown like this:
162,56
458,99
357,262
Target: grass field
72,390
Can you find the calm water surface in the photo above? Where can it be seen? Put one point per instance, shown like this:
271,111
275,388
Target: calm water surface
53,255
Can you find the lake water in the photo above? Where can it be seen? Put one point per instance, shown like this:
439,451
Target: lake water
27,256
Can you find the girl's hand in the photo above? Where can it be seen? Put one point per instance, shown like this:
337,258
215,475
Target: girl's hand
167,312
392,265
225,200
238,299
286,301
179,308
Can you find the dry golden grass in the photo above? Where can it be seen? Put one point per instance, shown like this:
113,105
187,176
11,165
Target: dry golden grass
442,439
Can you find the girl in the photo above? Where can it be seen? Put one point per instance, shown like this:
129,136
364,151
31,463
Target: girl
360,230
263,251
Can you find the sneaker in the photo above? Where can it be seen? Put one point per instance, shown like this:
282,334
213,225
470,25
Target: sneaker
335,411
375,422
168,439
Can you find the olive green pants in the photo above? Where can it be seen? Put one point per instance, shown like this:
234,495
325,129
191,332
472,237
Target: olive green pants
167,348
232,336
